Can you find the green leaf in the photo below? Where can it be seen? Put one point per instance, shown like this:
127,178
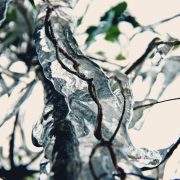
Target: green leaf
120,57
128,18
109,25
112,33
118,10
94,31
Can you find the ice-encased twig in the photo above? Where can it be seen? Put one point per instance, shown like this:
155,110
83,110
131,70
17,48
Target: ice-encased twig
89,97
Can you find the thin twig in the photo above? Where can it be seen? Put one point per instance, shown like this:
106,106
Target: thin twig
162,21
154,103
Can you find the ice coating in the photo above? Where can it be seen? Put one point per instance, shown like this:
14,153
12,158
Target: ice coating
69,70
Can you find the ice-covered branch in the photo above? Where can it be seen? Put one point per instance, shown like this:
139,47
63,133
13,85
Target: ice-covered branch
84,108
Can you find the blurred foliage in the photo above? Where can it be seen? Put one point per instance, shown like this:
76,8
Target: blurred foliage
120,57
109,24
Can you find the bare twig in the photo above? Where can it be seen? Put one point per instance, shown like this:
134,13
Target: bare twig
158,102
162,21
